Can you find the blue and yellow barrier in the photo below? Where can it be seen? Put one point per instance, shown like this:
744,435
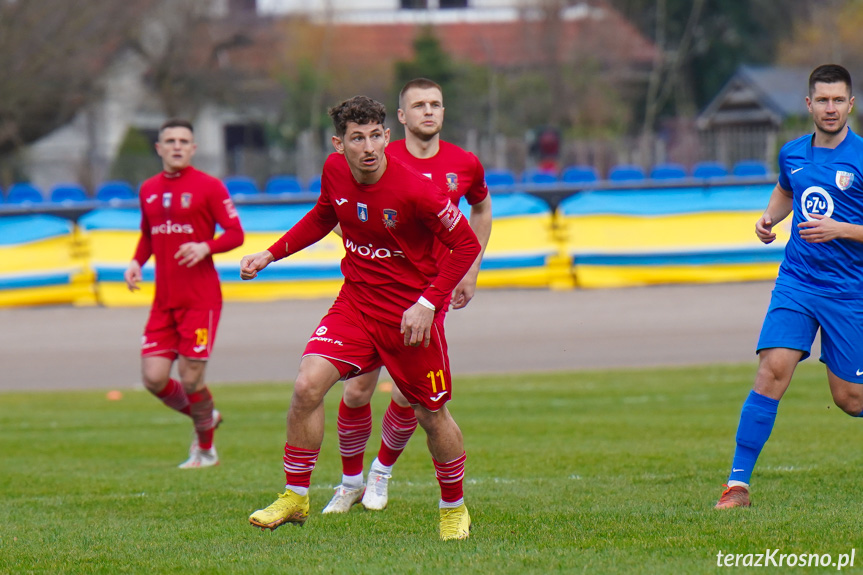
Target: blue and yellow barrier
594,239
43,261
685,235
522,250
313,272
113,234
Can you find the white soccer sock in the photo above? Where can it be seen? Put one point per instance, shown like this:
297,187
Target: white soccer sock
352,481
298,490
738,484
450,504
381,468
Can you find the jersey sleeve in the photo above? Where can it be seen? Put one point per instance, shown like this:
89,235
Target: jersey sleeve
784,181
144,249
225,214
313,227
478,189
451,227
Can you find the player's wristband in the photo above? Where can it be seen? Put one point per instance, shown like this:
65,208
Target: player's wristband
425,303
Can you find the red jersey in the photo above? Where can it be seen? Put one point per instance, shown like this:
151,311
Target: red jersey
456,171
179,208
389,230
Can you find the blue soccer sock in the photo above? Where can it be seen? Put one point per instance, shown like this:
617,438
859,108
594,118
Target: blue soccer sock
756,423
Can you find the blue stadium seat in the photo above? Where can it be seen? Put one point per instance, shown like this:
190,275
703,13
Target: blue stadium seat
499,178
668,172
24,193
314,184
708,170
579,174
537,177
241,186
283,185
749,169
68,193
115,190
626,173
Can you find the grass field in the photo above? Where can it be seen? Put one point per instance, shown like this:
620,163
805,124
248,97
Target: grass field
599,472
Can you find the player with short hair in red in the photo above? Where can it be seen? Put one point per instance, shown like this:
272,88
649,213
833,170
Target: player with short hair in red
460,174
180,208
388,311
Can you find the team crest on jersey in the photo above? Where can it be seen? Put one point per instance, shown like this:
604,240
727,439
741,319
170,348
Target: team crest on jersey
166,200
844,180
362,212
452,181
391,218
185,201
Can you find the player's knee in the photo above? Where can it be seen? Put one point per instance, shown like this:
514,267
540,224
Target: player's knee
769,377
356,395
192,385
432,421
852,404
399,398
154,380
307,392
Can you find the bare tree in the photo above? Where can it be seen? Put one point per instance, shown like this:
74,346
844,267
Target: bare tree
187,49
51,55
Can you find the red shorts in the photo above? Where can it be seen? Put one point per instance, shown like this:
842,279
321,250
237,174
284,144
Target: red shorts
356,343
187,332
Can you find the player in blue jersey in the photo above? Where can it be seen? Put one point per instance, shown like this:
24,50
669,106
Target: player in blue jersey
820,284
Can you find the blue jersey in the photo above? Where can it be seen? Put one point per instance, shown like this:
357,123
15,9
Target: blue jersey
828,182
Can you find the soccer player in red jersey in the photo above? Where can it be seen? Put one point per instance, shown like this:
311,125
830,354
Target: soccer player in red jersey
460,174
388,311
180,208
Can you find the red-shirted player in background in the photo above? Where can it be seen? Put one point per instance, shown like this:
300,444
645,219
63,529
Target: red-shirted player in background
388,311
180,208
460,174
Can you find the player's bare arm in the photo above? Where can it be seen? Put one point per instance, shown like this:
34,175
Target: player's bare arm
416,325
780,205
480,223
250,265
132,275
191,253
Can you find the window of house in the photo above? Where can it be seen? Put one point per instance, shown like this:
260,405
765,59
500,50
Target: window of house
244,136
245,145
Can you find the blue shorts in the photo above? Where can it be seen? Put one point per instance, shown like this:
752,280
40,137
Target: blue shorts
794,317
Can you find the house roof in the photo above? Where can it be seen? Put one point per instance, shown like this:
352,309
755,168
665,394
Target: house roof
600,33
758,95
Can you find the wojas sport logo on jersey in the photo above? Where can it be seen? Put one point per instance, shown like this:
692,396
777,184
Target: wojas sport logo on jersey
816,200
371,252
171,228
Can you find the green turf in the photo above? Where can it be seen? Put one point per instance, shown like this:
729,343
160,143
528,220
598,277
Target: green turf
601,472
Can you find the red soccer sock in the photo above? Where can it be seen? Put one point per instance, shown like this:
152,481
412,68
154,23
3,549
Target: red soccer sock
396,429
450,476
299,464
201,405
355,428
174,396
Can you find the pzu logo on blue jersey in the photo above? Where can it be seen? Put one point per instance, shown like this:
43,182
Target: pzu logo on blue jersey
815,200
